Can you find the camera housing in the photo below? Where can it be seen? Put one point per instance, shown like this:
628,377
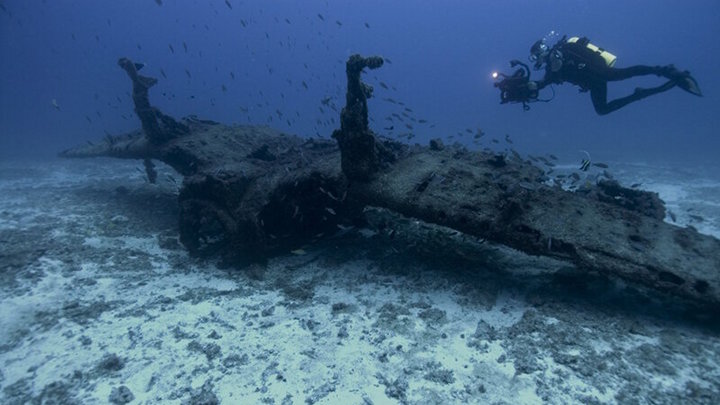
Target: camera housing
516,88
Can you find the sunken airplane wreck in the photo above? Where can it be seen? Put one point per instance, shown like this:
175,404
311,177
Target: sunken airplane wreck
250,192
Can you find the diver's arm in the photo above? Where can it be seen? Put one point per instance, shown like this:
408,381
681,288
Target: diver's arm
540,84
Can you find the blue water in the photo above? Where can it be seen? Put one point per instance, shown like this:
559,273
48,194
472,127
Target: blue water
441,54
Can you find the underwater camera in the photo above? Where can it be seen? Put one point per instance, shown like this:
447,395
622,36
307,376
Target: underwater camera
516,88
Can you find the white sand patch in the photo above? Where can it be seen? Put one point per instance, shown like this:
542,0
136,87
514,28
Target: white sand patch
507,311
354,332
147,245
670,193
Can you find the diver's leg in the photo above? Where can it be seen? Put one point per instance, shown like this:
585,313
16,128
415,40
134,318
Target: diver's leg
615,74
602,106
598,95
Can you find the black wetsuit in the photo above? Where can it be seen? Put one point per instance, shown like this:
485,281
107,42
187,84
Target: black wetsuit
584,67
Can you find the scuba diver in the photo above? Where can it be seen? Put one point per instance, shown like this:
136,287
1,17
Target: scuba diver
577,61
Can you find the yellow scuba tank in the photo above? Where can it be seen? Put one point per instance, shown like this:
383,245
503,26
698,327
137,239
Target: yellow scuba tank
609,58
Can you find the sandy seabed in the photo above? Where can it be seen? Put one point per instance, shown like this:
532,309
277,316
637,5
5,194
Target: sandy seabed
99,303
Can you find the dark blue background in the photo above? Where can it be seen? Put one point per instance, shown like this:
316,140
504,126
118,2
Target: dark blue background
442,54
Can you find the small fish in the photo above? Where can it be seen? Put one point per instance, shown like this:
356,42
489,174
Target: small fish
320,16
507,139
172,50
636,185
185,46
158,2
298,252
585,163
697,218
553,157
367,25
390,128
339,24
55,104
527,186
383,85
227,3
162,72
330,210
600,165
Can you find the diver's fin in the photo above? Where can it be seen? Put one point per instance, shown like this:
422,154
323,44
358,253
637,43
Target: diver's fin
689,84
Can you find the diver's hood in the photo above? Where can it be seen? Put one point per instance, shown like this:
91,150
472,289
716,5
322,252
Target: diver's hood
538,46
538,52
